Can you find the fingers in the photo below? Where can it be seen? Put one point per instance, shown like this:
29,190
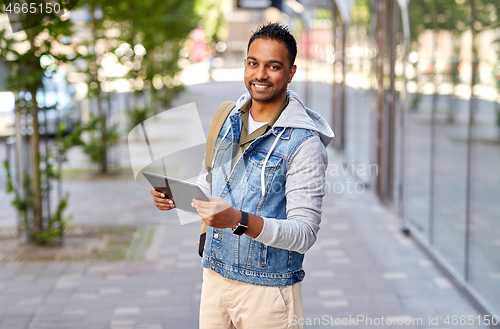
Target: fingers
157,193
198,204
207,209
202,203
203,215
202,207
161,202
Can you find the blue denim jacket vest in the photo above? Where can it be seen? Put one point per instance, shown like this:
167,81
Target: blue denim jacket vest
241,258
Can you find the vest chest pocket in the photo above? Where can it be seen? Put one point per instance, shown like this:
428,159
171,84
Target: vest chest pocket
221,149
254,173
223,141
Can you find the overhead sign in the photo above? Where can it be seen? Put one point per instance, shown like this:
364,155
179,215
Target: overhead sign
254,4
344,6
259,4
316,3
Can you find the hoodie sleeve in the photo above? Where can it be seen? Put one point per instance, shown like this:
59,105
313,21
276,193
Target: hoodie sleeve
304,189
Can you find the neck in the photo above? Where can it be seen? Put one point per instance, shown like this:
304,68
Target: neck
264,112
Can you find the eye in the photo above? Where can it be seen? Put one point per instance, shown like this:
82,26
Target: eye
252,63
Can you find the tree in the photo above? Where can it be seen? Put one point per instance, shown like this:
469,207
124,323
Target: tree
146,43
31,54
212,19
455,17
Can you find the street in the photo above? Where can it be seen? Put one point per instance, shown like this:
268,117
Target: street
360,265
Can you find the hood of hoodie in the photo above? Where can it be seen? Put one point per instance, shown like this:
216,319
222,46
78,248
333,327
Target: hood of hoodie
296,115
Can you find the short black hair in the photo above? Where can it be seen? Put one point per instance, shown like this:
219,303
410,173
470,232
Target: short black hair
276,31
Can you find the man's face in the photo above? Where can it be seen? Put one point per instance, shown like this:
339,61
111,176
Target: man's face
267,70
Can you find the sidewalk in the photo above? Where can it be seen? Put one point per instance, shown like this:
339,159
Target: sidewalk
361,264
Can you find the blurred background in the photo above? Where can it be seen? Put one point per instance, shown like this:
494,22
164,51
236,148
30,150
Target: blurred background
410,88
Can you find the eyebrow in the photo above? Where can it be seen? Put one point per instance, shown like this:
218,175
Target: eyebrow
268,62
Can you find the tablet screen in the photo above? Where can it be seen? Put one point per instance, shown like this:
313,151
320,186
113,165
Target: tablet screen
181,192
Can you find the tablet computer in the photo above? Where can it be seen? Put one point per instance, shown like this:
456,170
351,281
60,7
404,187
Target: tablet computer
181,192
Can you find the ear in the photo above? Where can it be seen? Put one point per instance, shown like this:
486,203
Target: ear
293,69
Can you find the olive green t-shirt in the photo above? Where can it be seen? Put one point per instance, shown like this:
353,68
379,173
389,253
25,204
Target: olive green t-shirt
245,138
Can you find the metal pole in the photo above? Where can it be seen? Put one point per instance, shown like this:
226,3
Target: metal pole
404,138
433,129
345,26
46,142
307,34
109,123
338,61
391,138
470,132
381,29
334,47
19,163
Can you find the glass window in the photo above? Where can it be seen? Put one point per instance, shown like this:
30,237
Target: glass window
484,260
361,96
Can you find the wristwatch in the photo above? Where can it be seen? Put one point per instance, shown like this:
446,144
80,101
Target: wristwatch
242,225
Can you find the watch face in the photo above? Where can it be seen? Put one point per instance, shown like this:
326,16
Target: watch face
240,229
242,226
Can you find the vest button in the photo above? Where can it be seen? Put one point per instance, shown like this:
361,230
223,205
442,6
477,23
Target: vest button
216,235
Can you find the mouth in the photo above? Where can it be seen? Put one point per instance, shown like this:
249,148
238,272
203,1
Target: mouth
260,86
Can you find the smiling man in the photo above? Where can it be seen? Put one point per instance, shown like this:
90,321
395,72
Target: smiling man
266,188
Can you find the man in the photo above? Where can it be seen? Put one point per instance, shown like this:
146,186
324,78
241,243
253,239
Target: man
266,191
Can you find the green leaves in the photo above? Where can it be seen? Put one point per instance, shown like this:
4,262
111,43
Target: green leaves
137,116
452,15
55,225
24,203
8,183
93,145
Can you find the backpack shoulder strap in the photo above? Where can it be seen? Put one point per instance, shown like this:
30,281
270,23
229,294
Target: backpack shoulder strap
218,120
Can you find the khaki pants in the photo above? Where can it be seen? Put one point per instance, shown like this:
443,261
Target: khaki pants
227,304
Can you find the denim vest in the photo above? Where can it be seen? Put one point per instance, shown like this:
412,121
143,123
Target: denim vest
241,258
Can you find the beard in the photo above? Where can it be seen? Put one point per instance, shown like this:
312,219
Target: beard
266,96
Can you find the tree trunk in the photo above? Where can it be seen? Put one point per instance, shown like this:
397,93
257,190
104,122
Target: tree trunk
104,136
35,167
102,115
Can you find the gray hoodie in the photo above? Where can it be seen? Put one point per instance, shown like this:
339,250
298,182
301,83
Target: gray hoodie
298,232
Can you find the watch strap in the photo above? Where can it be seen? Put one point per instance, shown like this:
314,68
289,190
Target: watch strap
242,225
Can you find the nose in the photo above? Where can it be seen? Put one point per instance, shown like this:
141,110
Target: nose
261,73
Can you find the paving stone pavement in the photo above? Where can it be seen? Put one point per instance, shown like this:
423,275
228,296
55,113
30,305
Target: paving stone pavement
360,266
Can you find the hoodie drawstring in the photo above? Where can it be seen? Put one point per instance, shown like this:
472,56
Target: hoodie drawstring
263,172
218,145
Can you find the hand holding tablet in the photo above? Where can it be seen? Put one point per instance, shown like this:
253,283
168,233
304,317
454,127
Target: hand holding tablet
180,192
161,201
